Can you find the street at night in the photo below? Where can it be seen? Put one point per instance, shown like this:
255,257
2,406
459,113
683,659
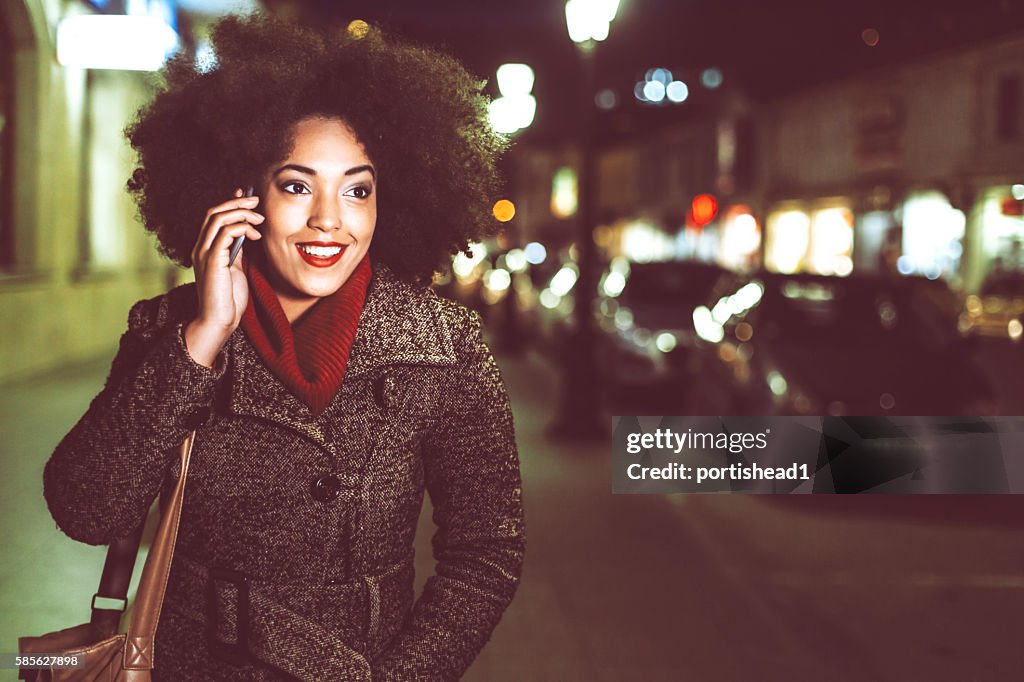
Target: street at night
780,245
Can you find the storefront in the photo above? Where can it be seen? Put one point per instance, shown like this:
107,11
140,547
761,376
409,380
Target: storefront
815,238
999,236
933,236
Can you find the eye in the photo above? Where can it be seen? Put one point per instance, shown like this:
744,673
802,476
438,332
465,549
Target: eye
294,188
359,192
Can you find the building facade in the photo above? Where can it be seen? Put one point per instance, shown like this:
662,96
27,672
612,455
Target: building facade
74,254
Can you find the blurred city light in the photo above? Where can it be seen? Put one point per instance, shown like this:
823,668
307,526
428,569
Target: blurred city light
623,318
677,91
512,114
643,242
115,41
606,99
549,299
777,383
463,266
659,75
497,279
515,260
1018,192
706,326
620,265
665,342
704,208
658,86
1014,328
589,19
564,280
832,241
788,241
741,237
870,37
930,225
357,28
613,284
654,91
711,78
515,80
515,109
504,210
535,253
564,193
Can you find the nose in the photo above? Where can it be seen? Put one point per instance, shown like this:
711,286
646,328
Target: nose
326,213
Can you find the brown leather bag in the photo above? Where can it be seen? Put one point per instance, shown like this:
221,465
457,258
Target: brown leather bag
104,654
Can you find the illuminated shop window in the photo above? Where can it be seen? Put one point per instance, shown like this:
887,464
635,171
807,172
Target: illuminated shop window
789,235
933,233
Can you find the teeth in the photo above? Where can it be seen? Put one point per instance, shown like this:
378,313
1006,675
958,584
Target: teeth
321,251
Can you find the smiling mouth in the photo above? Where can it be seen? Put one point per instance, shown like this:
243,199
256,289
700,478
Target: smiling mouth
321,255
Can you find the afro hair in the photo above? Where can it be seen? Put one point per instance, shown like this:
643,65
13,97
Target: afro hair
420,116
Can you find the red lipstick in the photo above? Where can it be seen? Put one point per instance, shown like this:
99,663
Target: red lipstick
321,261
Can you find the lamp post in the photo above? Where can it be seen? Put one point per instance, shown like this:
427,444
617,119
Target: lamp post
588,22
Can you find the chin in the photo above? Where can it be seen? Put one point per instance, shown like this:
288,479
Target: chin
321,290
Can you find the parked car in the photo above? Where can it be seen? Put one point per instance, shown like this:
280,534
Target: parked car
645,314
997,311
816,345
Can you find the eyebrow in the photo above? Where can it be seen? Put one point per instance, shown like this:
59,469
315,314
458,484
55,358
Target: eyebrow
309,171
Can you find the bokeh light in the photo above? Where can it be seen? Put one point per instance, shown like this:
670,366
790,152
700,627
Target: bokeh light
711,78
504,210
677,91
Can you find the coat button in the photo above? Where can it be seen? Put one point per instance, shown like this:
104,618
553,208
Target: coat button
197,417
387,392
325,488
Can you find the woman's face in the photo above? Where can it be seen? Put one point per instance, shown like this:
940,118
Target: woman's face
321,209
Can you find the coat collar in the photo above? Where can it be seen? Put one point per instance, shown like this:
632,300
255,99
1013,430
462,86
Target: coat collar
399,324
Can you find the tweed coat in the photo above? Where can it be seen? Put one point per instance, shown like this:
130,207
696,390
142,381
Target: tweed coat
310,519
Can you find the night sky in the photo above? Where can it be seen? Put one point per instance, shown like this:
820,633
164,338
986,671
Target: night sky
768,49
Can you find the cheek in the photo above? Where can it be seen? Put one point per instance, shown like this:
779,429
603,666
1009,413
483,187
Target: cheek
369,224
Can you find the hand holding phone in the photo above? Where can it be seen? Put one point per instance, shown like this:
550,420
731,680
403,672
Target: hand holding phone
236,246
222,290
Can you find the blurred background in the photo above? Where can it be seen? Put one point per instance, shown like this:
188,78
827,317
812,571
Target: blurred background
712,207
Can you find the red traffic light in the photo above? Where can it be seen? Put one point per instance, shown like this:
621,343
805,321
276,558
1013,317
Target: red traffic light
704,209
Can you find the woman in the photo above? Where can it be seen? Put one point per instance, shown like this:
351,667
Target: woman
327,384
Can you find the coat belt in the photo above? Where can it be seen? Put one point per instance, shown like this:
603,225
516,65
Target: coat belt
311,631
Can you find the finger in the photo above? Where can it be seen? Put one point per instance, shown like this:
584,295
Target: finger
237,202
221,248
234,217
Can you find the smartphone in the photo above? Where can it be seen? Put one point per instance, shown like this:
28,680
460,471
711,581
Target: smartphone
236,245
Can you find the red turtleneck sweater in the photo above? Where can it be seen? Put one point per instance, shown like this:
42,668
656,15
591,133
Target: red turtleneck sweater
309,356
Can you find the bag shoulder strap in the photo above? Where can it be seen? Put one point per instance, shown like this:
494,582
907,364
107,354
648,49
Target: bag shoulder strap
116,578
138,651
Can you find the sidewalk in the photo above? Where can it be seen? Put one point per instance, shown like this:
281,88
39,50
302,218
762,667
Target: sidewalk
633,587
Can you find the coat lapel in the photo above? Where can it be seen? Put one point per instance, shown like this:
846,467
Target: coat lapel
399,324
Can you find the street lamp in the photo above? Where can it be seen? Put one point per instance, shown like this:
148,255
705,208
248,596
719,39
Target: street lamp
515,109
588,22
